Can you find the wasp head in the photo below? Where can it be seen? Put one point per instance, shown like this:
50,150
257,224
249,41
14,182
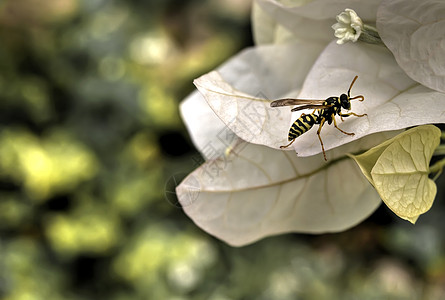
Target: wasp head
345,103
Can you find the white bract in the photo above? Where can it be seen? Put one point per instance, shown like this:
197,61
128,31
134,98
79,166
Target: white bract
348,27
248,188
255,191
392,100
415,33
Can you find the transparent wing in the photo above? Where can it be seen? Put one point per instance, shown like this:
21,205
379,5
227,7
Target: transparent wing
291,101
310,106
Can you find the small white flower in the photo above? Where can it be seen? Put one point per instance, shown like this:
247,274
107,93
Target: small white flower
349,26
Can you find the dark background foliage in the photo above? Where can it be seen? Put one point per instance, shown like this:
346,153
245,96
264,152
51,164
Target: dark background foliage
92,145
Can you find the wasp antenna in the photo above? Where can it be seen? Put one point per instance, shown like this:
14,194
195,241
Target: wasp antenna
358,97
352,83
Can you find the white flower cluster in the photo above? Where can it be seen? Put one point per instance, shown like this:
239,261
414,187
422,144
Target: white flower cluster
248,188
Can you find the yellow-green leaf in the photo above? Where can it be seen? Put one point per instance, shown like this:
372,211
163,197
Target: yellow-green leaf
367,160
399,168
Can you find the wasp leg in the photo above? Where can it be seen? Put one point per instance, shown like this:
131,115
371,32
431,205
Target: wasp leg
319,137
282,147
351,113
335,124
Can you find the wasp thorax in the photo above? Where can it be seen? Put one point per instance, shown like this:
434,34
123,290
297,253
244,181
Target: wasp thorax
344,100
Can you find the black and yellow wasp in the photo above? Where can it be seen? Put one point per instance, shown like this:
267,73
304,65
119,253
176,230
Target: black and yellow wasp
324,111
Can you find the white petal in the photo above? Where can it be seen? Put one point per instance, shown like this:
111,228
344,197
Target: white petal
258,191
356,21
312,21
267,72
415,33
392,100
344,18
266,30
209,134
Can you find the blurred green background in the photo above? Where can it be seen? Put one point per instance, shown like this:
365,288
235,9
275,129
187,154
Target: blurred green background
91,144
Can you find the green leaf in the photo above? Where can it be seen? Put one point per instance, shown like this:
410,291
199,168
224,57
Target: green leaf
399,168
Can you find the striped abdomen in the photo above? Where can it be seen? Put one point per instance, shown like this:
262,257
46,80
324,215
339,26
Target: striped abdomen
301,125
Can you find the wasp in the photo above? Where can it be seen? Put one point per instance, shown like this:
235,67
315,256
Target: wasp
324,111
